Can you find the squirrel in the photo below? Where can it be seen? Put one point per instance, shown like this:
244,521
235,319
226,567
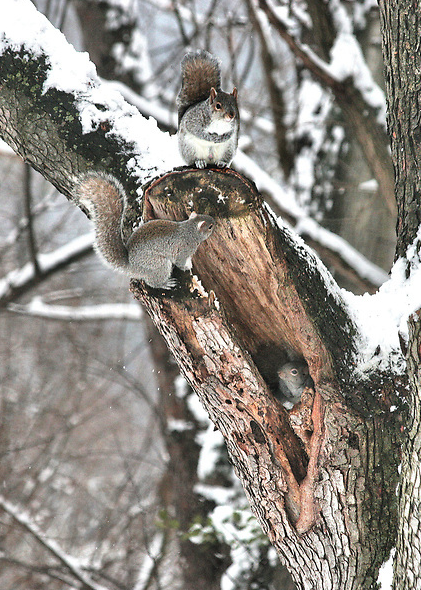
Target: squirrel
208,118
153,248
293,378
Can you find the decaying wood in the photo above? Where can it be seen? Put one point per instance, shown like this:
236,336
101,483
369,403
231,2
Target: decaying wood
263,298
241,263
271,290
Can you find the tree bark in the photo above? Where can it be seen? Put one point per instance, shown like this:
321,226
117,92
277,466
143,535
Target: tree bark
401,29
312,477
202,565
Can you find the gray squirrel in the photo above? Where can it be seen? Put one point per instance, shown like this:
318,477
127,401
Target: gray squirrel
293,378
208,118
153,248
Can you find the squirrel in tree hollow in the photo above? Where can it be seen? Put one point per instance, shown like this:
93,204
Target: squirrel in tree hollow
153,248
293,376
208,118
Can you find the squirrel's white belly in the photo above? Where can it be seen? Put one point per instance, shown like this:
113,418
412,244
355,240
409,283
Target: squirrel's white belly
207,150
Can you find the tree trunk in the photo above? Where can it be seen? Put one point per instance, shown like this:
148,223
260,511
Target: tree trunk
313,477
201,565
401,28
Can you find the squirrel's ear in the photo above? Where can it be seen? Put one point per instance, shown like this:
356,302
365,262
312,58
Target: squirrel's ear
234,93
212,94
193,214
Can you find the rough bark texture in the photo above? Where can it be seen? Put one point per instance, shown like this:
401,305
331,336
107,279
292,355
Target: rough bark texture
202,566
314,477
401,28
408,555
402,57
45,128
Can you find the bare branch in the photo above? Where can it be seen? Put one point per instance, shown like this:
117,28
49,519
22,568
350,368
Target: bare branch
18,282
71,565
359,114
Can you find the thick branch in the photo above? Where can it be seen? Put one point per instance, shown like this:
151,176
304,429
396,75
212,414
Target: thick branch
48,128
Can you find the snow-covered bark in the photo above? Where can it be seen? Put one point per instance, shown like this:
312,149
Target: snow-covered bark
64,87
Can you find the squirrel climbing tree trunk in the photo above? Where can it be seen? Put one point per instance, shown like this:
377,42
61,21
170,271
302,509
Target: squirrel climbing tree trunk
321,479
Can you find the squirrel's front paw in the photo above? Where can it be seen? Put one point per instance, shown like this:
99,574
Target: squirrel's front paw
221,164
200,163
170,284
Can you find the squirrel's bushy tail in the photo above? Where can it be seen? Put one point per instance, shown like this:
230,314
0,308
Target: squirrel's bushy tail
104,197
200,72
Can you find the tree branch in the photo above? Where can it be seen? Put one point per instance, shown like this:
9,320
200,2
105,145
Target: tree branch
358,113
18,282
67,561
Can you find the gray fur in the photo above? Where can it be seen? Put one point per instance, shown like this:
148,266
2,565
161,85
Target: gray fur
208,117
293,378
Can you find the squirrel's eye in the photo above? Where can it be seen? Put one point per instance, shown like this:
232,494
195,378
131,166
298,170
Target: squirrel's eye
218,106
294,372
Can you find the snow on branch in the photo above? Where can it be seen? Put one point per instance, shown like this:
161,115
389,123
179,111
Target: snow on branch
17,281
27,33
347,60
110,311
350,81
72,565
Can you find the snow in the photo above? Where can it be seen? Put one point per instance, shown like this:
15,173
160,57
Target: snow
22,26
196,408
347,61
383,317
364,268
155,550
110,311
175,425
346,58
385,577
210,443
146,106
181,387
